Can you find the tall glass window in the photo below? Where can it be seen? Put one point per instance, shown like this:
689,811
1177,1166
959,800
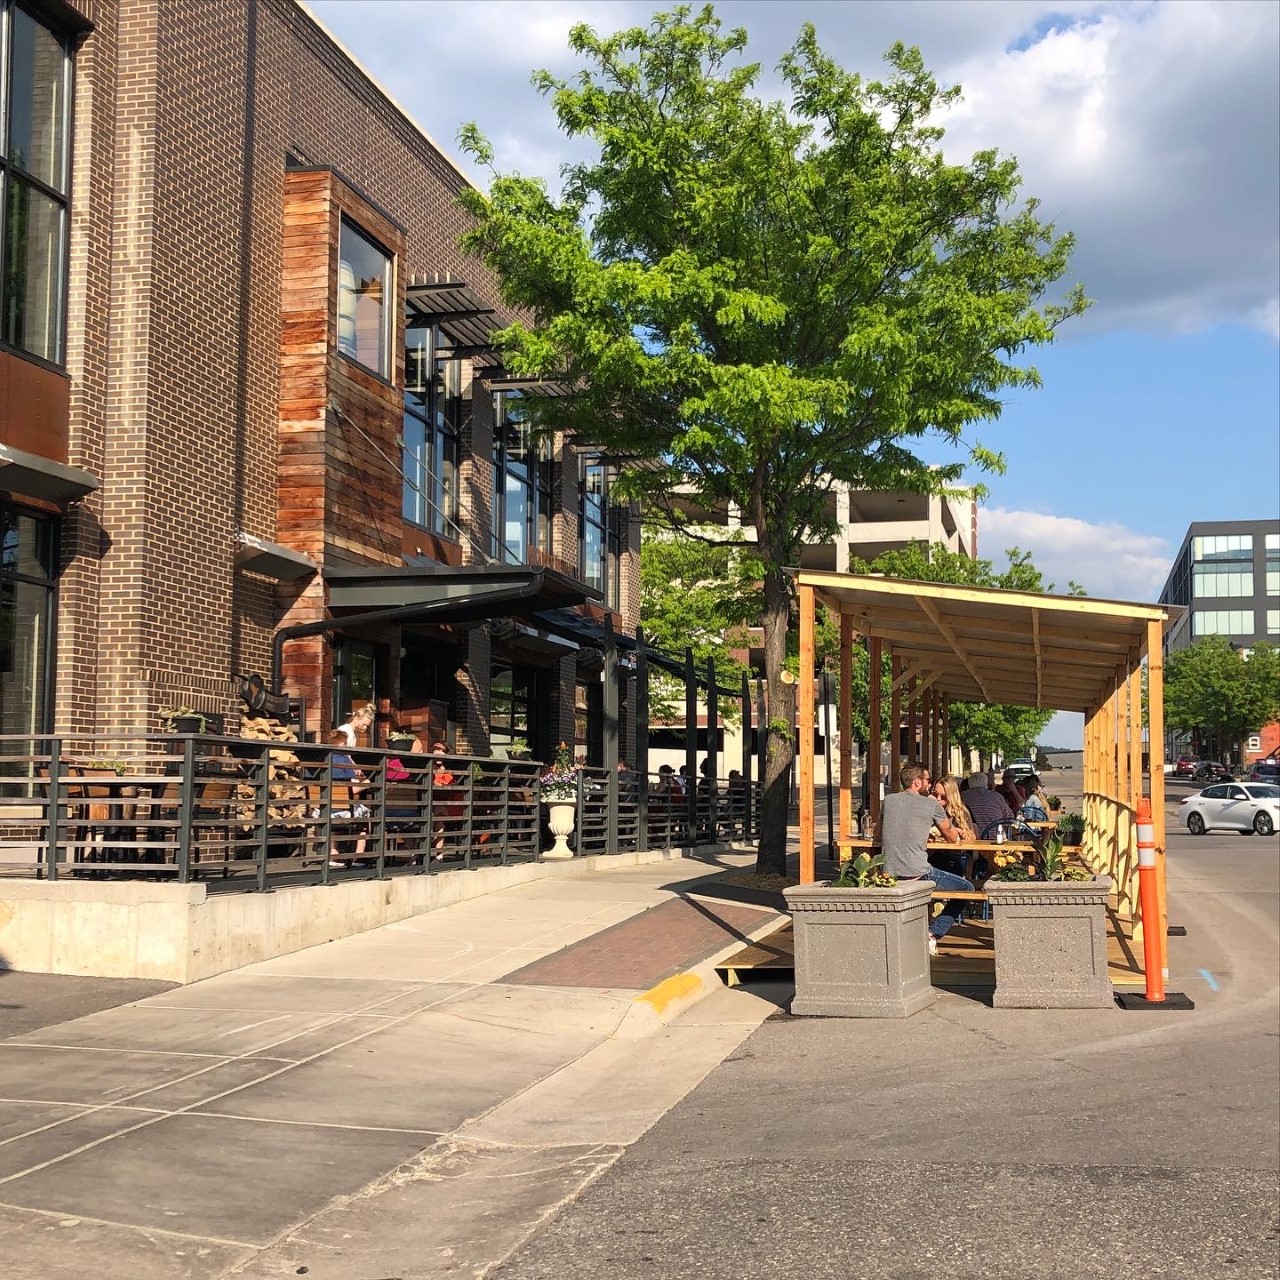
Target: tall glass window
33,183
364,300
28,559
523,486
1232,546
436,407
601,527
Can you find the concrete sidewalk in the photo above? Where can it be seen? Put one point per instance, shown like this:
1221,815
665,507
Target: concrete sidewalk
411,1101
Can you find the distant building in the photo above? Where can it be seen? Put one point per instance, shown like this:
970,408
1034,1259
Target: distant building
1226,576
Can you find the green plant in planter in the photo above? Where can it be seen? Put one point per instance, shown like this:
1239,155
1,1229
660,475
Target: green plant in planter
1071,828
118,767
863,872
1055,803
169,717
1009,866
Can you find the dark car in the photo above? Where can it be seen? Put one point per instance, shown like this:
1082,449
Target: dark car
1213,771
1186,767
1265,771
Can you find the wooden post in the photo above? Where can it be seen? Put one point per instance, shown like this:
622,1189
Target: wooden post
1155,746
913,723
875,652
1135,735
946,738
846,726
895,722
804,736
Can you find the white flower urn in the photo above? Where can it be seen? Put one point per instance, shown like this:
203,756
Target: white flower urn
561,816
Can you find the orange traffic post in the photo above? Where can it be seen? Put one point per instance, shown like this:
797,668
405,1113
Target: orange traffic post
1153,954
1149,897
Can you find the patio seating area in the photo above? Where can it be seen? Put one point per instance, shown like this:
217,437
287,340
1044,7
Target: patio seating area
238,813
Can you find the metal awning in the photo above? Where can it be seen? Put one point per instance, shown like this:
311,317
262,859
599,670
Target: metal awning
34,476
272,560
984,644
466,318
448,594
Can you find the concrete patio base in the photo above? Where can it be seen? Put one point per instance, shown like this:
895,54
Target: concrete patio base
182,933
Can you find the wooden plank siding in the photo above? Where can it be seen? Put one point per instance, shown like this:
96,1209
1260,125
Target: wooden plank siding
338,486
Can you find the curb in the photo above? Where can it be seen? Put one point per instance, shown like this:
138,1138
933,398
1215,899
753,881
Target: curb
652,1010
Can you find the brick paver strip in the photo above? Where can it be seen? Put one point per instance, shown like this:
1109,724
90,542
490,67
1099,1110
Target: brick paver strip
642,951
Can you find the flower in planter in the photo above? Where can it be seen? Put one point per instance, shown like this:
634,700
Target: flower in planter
1009,866
863,872
560,782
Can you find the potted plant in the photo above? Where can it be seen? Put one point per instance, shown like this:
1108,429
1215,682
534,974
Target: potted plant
189,720
1071,829
1055,804
559,792
860,948
1050,932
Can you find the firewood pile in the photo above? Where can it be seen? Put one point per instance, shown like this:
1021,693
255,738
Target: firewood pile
287,794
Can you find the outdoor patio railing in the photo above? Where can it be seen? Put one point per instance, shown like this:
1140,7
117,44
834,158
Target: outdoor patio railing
246,813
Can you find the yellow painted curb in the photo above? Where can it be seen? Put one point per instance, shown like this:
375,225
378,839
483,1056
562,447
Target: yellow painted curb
666,993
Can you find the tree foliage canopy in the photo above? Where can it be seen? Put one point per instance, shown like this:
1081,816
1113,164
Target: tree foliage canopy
765,297
753,299
1211,686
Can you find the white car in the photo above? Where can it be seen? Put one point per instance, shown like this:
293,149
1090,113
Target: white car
1235,806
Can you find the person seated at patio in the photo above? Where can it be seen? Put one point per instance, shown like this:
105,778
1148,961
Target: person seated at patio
987,808
906,818
946,791
360,722
1014,796
1036,806
344,773
446,808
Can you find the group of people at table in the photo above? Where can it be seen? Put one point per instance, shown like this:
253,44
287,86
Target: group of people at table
954,812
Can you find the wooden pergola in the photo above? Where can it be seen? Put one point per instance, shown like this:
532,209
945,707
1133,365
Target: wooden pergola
975,644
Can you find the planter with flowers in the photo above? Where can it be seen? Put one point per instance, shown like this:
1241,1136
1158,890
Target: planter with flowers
1050,928
860,948
559,792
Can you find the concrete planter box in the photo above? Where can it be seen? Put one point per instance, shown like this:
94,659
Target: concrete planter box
1051,943
861,953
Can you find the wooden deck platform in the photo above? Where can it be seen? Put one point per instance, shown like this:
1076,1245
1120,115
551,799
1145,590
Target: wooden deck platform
966,957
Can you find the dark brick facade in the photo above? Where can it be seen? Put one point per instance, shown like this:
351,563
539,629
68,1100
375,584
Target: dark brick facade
194,275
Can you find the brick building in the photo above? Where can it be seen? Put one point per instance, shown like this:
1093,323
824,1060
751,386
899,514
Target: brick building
249,413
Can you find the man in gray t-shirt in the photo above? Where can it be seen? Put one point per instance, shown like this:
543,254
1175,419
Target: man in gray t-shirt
906,818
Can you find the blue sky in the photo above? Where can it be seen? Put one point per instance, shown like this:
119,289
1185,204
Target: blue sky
1151,129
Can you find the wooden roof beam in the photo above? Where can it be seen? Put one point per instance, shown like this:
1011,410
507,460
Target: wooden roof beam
931,611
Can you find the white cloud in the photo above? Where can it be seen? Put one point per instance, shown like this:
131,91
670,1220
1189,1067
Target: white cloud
1107,560
1151,130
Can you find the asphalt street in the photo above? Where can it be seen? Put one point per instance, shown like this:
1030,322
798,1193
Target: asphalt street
979,1142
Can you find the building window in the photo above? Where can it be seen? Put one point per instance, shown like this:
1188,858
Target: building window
1225,546
436,408
1222,622
356,682
33,183
523,485
28,559
364,294
513,708
1273,622
1219,580
601,528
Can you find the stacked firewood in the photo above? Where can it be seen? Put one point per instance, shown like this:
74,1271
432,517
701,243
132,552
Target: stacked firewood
286,792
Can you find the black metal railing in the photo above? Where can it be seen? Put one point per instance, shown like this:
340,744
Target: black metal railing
251,814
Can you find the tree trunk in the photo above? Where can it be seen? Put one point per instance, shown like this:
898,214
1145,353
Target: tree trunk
771,858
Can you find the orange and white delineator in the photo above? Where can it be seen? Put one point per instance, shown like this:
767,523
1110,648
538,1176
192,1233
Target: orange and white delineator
1149,901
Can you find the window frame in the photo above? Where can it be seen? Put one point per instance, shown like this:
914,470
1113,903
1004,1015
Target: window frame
48,582
347,223
435,404
12,174
535,479
609,526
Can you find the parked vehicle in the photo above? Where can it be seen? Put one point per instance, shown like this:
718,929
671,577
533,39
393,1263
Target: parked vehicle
1265,771
1186,767
1247,807
1213,771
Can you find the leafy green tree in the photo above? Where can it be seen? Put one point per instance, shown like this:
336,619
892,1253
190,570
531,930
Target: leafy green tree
757,298
1213,688
697,596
